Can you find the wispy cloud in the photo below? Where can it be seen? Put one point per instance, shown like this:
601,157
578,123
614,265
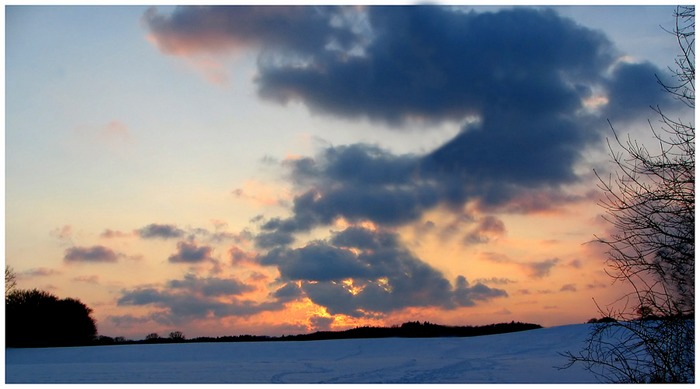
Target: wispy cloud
38,272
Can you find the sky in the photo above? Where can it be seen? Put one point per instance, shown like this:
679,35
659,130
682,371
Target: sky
280,170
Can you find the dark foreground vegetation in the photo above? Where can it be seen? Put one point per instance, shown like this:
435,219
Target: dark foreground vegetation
406,330
35,318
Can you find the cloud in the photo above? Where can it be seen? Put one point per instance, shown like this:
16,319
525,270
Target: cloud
90,254
116,133
288,292
162,231
210,287
38,272
596,285
496,257
317,261
495,281
518,81
193,298
171,231
87,279
487,229
239,256
542,268
363,182
467,295
357,182
190,252
128,320
320,323
112,234
536,269
634,85
273,238
361,272
437,63
192,30
64,234
568,288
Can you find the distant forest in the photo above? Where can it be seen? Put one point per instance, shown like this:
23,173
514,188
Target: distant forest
406,330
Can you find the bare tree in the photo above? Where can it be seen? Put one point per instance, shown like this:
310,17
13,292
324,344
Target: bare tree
153,336
650,203
10,280
176,336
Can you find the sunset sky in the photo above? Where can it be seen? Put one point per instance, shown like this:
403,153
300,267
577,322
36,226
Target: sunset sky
270,170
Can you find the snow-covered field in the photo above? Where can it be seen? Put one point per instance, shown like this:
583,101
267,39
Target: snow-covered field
523,357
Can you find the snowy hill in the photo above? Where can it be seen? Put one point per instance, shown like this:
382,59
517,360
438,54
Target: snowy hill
522,357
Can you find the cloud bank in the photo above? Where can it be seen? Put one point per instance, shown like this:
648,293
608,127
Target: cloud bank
361,272
529,89
522,77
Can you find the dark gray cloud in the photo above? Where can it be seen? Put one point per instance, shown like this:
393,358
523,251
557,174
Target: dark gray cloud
523,74
317,261
466,295
171,231
364,182
393,63
290,291
190,252
162,231
273,238
361,272
319,323
90,254
356,182
519,82
436,63
634,85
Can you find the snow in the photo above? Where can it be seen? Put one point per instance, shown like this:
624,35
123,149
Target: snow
522,357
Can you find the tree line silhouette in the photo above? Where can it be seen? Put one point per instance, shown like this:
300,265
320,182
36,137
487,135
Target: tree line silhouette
412,329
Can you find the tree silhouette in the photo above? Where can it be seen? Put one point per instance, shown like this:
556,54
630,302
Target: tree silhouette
36,318
650,203
176,336
10,280
152,337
